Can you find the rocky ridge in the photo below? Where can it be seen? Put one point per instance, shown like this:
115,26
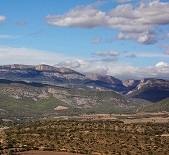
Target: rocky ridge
67,78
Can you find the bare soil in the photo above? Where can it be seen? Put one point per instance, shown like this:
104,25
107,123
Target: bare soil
46,153
127,118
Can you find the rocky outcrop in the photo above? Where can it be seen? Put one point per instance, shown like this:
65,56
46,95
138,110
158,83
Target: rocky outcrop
44,68
130,83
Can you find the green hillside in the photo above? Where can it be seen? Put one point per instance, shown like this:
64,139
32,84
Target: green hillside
157,107
27,108
23,100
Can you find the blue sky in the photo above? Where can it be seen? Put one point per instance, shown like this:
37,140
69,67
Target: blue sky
122,38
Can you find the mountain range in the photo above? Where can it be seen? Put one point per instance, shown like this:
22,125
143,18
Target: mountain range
47,90
150,89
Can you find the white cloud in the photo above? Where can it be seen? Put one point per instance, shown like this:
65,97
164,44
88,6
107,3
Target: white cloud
2,18
137,22
143,38
85,66
119,70
106,53
13,55
146,17
161,64
130,72
147,38
81,16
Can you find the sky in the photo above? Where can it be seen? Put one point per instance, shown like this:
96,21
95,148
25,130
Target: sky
127,39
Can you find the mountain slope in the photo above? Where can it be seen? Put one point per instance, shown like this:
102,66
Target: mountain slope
153,90
18,99
157,107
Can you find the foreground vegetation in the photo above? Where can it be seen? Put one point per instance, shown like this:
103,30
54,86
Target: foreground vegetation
89,137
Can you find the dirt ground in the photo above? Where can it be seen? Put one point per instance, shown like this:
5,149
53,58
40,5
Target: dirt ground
127,118
145,120
46,153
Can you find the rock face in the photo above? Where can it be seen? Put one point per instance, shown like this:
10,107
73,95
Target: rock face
130,83
44,68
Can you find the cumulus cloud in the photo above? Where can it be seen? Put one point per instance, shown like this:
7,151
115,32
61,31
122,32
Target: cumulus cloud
106,53
141,19
85,66
96,40
161,64
143,38
121,71
147,38
137,22
81,16
2,18
160,70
